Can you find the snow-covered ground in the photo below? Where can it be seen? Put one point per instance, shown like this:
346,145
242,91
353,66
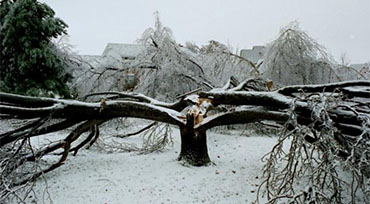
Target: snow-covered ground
95,177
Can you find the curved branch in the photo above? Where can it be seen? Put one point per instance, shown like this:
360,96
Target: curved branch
65,144
203,82
250,63
137,132
25,127
24,131
188,59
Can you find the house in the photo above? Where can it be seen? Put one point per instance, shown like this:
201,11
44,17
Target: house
97,73
365,70
255,54
115,55
122,52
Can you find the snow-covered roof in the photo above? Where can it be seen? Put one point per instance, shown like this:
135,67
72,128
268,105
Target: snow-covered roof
98,61
120,51
90,57
358,67
255,54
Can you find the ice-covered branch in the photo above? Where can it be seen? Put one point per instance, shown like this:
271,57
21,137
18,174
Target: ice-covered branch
242,117
323,87
77,110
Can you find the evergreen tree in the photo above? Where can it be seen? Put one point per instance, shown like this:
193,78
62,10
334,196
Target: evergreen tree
29,63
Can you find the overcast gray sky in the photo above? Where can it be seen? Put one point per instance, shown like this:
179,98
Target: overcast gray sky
342,26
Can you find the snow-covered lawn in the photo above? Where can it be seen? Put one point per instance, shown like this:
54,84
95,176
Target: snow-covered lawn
95,177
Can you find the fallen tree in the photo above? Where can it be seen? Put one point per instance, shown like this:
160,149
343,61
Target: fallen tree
337,113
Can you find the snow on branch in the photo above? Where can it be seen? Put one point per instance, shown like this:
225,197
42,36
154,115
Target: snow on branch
266,99
241,117
71,109
323,87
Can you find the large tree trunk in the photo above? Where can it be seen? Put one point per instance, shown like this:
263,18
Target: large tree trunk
194,149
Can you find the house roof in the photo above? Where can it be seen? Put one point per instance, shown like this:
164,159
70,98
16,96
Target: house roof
359,66
119,51
254,54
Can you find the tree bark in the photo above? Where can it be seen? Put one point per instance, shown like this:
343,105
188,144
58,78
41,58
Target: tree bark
194,150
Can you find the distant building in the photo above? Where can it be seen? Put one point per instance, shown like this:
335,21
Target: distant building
365,70
122,51
94,72
358,67
255,54
115,55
